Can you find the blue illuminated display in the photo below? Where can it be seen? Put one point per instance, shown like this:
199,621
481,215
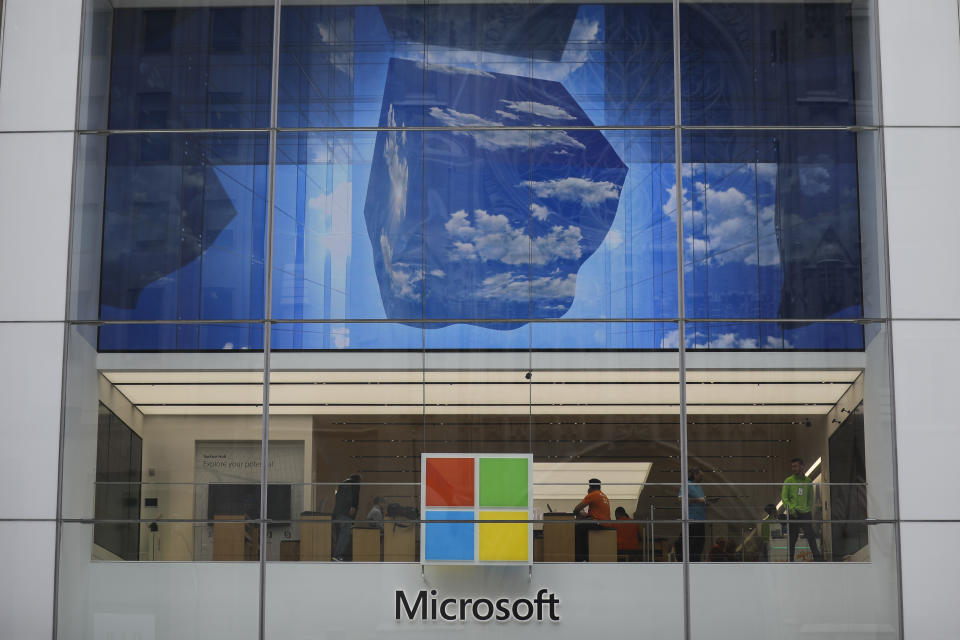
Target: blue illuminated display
490,196
486,224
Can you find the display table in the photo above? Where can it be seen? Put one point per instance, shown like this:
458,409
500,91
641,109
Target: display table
399,541
366,544
603,545
559,537
315,537
233,539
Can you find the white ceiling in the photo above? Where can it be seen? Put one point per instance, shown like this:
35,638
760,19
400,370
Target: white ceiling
795,392
568,480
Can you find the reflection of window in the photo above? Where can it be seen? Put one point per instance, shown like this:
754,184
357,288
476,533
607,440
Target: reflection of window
157,31
154,109
119,455
848,470
148,235
226,109
154,149
226,30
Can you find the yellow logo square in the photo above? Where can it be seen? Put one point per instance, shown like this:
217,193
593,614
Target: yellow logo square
503,541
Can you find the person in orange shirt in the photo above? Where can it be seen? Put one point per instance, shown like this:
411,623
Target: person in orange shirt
628,536
594,507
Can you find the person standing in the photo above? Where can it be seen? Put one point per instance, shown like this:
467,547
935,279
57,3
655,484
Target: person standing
344,512
797,496
698,516
594,507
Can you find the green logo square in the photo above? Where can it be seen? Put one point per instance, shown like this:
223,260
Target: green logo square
504,482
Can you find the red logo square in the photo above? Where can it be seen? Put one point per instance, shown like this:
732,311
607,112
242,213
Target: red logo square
449,482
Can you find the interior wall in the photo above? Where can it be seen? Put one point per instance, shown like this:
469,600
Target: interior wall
169,452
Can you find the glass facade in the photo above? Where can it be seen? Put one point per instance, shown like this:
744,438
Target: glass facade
638,242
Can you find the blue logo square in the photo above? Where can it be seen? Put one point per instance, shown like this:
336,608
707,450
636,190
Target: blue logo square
449,540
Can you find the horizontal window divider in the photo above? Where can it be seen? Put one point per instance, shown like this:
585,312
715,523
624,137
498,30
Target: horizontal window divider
481,321
767,127
268,521
15,519
121,323
269,482
486,404
861,320
866,521
67,520
278,321
38,131
124,132
780,484
441,383
361,129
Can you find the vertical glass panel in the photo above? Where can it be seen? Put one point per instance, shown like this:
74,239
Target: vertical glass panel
613,61
183,227
776,63
190,67
154,437
95,52
781,336
118,474
477,226
772,225
86,236
338,63
357,336
477,429
331,189
348,226
835,597
605,216
548,224
609,337
635,44
344,451
99,598
611,414
790,452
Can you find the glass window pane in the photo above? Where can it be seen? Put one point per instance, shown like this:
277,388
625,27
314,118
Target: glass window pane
583,233
323,256
335,61
190,67
346,433
182,227
776,63
610,415
772,225
99,597
858,595
157,436
339,64
789,442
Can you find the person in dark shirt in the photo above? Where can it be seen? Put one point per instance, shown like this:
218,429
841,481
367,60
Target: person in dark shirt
344,513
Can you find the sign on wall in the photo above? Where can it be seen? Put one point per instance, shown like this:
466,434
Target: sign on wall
477,508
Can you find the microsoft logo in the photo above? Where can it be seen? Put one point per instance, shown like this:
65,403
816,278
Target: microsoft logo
468,502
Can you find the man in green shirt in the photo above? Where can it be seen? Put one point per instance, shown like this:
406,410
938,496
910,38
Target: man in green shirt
797,495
